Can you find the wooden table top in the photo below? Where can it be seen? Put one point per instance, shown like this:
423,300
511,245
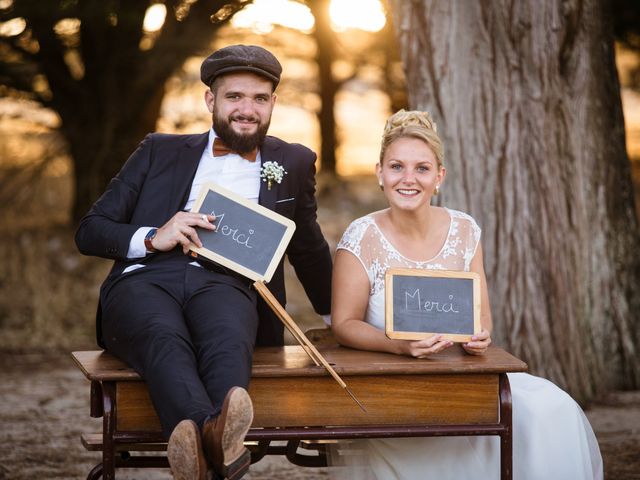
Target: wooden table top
292,361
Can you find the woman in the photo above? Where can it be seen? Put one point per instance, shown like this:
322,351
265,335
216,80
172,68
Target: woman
552,437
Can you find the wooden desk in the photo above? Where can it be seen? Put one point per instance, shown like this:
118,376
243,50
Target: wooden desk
451,393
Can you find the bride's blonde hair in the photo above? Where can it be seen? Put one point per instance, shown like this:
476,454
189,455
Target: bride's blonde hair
414,124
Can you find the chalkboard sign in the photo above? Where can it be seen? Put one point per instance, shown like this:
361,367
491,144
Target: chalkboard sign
421,303
249,239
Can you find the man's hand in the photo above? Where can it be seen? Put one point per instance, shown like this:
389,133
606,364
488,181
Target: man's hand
479,343
426,347
179,230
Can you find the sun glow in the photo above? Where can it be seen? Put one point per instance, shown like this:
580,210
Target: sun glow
67,26
262,15
365,15
154,17
13,27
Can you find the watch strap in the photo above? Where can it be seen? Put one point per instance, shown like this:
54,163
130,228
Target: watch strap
147,240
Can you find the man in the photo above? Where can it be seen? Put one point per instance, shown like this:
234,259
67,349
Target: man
188,327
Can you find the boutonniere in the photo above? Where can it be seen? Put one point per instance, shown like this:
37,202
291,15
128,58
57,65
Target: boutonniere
272,172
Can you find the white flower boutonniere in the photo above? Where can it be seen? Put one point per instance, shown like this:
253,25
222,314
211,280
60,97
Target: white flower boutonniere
272,172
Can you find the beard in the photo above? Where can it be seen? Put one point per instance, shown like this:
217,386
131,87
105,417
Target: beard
242,143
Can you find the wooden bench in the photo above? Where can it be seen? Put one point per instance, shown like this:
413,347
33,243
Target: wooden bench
297,402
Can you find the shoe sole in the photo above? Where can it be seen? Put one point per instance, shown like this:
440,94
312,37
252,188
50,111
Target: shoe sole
184,452
239,417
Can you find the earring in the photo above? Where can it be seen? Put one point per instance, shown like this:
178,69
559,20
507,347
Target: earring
381,185
437,190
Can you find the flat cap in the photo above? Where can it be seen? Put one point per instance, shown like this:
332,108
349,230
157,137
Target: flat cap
241,58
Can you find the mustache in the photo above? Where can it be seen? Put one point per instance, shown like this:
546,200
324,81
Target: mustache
244,118
238,141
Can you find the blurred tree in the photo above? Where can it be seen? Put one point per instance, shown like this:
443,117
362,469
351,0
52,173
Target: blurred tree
381,51
626,22
527,101
95,65
325,39
626,27
394,83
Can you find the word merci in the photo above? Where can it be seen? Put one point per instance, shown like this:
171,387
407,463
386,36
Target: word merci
413,302
237,236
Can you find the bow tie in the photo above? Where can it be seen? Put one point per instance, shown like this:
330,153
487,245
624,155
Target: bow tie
220,149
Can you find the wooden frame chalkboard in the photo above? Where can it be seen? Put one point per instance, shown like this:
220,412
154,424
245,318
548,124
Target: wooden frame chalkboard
421,303
249,239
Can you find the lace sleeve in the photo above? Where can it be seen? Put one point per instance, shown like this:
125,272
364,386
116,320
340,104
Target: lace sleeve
473,233
352,241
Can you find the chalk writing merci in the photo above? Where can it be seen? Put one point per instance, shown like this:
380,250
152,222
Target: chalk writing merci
420,303
412,301
224,229
249,238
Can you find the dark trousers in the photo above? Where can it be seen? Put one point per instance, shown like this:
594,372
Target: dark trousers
189,332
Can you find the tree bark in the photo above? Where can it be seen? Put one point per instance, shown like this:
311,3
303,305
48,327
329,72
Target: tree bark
527,102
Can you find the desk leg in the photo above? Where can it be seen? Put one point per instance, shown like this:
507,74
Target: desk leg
319,460
506,437
95,473
260,450
108,429
96,399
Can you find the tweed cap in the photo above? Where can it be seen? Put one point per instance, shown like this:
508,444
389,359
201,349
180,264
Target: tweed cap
241,58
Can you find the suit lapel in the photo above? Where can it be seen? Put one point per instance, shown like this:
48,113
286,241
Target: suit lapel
269,152
185,169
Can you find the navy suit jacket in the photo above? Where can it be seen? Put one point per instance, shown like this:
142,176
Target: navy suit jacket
154,185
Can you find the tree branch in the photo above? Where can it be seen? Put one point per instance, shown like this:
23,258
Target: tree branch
14,44
181,39
18,76
50,60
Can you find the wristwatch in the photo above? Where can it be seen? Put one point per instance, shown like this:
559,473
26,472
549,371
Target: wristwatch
151,234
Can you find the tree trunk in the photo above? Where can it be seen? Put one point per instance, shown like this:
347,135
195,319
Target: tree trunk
526,98
393,83
323,35
100,146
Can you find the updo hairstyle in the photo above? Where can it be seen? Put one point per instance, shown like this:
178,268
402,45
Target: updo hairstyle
413,124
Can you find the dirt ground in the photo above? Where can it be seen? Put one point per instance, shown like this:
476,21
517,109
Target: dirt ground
44,408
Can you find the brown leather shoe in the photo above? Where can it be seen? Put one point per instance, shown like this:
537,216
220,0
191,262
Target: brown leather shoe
184,452
223,436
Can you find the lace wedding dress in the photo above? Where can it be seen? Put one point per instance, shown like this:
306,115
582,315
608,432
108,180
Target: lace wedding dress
552,438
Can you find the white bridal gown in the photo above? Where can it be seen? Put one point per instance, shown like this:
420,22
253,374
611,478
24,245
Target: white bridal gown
552,438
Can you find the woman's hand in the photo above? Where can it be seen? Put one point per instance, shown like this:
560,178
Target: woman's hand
426,347
479,343
180,230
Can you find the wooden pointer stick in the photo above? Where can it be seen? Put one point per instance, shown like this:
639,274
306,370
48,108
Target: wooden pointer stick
284,317
301,337
298,334
302,343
